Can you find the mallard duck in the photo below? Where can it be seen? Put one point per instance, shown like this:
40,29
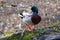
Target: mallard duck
33,19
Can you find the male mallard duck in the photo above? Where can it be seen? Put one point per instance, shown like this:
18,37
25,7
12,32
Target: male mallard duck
33,19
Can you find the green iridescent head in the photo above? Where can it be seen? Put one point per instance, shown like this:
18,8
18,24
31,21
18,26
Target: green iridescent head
34,9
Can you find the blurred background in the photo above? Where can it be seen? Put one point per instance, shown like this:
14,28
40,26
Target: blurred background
49,10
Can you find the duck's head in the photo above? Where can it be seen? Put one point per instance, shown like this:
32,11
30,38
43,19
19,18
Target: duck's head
34,9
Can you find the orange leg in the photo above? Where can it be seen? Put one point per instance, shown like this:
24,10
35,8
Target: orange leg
35,28
29,28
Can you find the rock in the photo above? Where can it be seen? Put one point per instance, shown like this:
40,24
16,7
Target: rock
53,37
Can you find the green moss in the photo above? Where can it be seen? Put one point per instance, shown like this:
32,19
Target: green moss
14,37
9,33
39,32
28,37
